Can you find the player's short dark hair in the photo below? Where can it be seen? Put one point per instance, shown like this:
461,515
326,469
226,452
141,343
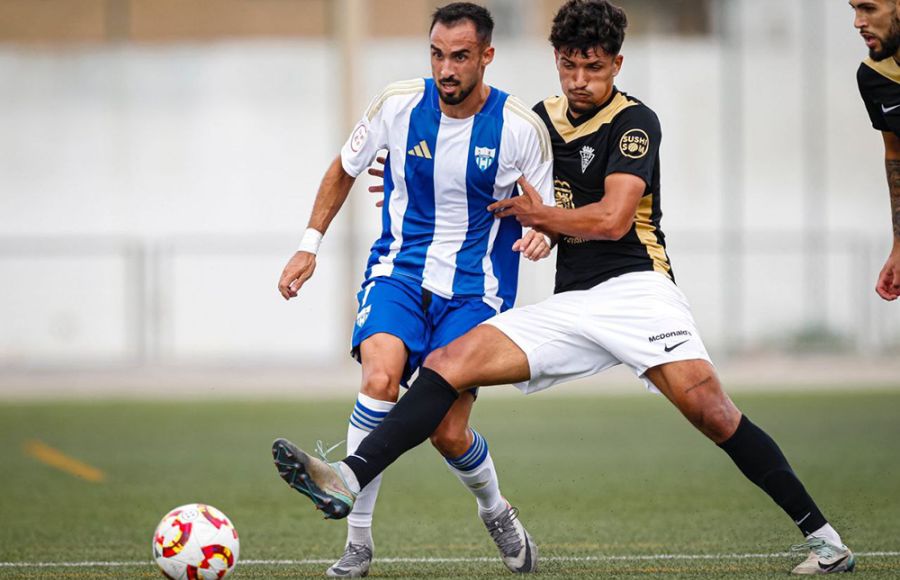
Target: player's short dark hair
581,25
479,16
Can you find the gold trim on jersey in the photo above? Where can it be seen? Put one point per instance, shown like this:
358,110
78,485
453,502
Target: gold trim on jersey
518,107
556,110
646,232
393,89
888,68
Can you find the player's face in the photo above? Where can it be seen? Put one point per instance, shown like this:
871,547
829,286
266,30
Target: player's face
587,79
458,60
879,25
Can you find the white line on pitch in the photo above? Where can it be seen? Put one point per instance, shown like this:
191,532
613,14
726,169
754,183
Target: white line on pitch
635,558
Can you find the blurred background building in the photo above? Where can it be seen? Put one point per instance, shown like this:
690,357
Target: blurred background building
159,158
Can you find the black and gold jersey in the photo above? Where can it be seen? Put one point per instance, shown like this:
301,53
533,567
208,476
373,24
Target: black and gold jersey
622,136
879,86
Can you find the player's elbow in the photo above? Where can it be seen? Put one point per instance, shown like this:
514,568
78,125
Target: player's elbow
611,229
620,230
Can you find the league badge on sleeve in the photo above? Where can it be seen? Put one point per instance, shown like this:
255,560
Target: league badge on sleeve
358,138
484,157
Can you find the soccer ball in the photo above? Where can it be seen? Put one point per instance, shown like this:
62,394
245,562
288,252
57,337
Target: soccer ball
195,542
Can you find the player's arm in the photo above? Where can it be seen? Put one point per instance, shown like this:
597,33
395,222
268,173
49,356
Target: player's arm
608,219
366,139
332,194
629,171
888,284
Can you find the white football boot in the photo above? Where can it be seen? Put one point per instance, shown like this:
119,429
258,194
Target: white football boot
517,550
353,564
824,558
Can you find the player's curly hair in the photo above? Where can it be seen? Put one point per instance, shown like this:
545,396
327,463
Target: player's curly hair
478,15
581,25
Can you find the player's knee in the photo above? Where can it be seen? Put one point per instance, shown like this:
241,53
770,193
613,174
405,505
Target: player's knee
452,362
716,419
439,361
451,441
381,385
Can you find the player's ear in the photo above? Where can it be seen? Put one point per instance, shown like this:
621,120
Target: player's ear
487,55
617,64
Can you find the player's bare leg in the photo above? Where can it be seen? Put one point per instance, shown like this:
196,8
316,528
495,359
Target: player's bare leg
694,388
383,358
468,457
484,356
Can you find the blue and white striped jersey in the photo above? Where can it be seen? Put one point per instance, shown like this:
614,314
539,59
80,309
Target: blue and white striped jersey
441,174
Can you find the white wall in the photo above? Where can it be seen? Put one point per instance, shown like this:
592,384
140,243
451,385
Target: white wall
150,195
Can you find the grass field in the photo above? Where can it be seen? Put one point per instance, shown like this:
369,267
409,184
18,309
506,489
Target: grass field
606,485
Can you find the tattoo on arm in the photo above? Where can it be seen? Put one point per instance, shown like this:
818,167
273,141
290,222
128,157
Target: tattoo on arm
893,175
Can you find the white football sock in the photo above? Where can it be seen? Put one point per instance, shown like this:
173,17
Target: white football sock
367,414
475,469
360,536
827,533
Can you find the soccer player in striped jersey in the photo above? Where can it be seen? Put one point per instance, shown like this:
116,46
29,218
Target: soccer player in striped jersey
443,263
878,21
616,301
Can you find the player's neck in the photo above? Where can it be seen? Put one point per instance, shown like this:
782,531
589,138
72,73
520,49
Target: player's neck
470,105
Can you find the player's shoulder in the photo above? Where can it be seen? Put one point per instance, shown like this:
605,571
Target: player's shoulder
633,111
520,119
635,108
872,72
520,116
408,90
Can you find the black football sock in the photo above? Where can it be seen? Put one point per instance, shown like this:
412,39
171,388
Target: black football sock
415,416
759,458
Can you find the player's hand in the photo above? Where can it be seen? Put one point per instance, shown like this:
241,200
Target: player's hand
299,269
527,208
888,285
534,245
376,171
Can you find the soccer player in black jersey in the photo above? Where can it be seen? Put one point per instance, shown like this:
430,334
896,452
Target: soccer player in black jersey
878,21
615,300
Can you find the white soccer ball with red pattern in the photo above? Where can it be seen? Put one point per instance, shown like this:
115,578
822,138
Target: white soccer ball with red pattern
195,542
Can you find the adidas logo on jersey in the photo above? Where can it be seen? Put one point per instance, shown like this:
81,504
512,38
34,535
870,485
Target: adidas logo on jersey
420,150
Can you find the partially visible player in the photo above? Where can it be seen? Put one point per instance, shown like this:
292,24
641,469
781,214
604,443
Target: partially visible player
616,301
878,21
443,263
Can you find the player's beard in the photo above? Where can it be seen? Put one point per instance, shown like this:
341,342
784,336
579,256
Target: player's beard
458,97
890,45
582,108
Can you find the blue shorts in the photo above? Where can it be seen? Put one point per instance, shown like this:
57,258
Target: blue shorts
422,320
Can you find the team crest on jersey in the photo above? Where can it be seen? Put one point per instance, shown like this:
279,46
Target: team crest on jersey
484,157
587,155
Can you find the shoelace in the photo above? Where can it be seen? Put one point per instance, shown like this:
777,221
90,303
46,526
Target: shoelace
354,555
504,533
322,452
821,548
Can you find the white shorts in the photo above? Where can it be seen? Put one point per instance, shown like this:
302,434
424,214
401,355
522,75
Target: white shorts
641,319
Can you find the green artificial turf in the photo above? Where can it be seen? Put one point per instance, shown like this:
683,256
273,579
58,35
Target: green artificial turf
604,481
